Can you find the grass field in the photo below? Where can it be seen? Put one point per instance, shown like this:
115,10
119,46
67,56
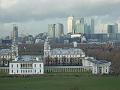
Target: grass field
61,82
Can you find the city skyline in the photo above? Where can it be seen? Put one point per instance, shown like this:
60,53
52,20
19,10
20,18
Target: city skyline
35,20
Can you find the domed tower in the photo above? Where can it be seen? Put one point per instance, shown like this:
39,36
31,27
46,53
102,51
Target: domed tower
46,48
14,49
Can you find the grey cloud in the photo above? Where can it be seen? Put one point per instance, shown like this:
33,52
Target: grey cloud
27,10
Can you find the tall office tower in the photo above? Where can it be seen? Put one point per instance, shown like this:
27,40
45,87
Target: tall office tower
101,28
112,28
51,30
59,30
79,26
15,34
82,20
70,24
118,23
92,26
87,29
116,28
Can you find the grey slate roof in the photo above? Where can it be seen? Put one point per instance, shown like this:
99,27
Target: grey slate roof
71,51
5,51
98,61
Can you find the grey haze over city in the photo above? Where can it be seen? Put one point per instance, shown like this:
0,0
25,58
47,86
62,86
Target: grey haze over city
33,16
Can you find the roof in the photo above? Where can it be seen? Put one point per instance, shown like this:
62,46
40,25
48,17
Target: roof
27,58
5,51
97,61
26,62
70,51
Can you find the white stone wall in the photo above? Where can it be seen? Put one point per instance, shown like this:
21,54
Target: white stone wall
97,68
15,68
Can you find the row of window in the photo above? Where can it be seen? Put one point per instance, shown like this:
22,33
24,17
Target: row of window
26,65
66,56
100,70
27,71
6,56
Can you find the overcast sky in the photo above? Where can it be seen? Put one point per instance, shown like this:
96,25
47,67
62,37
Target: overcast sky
33,16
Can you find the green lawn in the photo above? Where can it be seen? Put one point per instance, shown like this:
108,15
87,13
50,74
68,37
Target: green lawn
61,82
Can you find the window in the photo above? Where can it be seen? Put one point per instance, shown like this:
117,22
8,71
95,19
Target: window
35,71
17,71
106,70
40,70
17,65
35,65
40,65
12,65
12,71
21,65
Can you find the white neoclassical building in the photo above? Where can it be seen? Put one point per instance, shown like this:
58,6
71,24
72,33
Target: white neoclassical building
75,57
97,66
7,55
26,66
60,52
64,55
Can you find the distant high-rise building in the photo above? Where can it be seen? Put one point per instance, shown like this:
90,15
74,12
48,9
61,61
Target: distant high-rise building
15,34
70,24
79,26
82,20
51,30
118,23
116,28
59,30
92,26
87,29
110,28
113,28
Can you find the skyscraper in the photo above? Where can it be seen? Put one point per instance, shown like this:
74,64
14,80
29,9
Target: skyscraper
51,30
70,24
116,28
15,34
79,26
87,29
92,26
112,28
59,30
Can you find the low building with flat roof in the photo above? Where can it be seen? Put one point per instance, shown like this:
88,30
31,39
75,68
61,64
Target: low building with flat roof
97,66
26,66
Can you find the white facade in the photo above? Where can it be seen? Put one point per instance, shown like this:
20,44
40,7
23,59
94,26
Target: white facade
59,30
76,35
51,30
59,52
68,53
9,53
70,24
118,27
97,66
26,67
75,54
46,48
101,28
79,26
